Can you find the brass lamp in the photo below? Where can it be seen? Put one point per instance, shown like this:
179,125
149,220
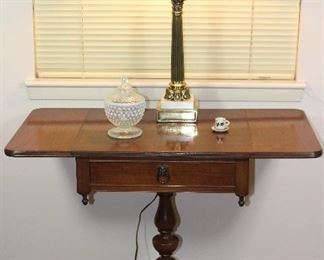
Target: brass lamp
177,105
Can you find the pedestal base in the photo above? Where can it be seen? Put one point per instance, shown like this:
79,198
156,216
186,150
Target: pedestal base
166,221
177,111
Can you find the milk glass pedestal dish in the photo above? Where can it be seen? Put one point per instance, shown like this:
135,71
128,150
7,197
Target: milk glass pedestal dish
124,109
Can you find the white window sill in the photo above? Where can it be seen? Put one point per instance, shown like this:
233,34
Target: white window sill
288,91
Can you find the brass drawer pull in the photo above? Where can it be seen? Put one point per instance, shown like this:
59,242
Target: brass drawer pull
163,174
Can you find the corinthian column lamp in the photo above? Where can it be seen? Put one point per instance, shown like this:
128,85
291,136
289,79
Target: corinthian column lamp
177,105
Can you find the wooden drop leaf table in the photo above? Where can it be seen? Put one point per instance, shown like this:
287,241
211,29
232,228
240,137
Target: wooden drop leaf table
167,158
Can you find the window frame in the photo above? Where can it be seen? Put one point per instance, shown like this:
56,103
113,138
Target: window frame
206,90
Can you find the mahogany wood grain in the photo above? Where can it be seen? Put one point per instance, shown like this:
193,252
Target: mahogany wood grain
47,133
254,133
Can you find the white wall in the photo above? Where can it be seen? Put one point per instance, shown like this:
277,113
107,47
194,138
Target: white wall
41,216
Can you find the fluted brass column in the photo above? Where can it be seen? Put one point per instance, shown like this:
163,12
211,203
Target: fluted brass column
177,105
177,90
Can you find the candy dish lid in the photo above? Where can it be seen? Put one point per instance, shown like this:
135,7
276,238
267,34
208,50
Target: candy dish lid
125,93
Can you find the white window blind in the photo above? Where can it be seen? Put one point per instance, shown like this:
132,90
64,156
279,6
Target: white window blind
223,39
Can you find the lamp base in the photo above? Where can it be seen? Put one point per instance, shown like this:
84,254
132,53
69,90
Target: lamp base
177,111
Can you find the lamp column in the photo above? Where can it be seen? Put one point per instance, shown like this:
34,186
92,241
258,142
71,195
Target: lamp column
177,90
177,105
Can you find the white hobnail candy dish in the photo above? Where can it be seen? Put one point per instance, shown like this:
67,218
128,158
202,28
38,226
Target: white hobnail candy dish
124,109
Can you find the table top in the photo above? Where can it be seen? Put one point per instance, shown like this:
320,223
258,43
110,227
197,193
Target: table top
82,132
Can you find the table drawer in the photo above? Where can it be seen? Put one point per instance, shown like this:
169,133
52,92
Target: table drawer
206,176
171,174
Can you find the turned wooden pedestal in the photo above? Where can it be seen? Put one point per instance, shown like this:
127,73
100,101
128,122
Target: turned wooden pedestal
167,158
165,220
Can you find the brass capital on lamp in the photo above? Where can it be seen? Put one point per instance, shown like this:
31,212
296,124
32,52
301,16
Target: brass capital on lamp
177,105
178,89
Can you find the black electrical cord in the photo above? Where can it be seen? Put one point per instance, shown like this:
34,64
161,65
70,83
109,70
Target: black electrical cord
139,223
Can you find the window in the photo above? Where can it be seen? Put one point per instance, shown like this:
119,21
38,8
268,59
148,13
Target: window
223,39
